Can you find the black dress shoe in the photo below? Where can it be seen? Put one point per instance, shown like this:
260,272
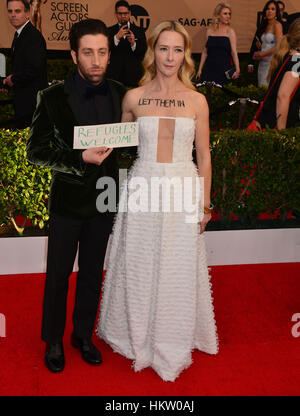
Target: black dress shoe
54,357
89,352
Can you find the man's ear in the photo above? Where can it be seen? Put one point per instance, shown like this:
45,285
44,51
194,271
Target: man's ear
74,56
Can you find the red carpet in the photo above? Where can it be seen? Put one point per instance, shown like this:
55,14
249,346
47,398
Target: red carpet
254,305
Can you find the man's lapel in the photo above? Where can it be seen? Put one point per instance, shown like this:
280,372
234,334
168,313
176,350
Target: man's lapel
13,45
74,102
17,42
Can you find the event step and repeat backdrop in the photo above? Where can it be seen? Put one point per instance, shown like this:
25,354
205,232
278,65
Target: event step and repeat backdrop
54,18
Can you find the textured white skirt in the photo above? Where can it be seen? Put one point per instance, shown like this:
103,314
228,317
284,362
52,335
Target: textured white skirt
157,304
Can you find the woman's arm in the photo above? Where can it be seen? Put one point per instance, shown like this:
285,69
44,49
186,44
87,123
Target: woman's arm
203,153
203,58
128,105
287,86
234,54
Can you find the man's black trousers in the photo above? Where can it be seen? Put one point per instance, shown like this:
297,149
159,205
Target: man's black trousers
65,236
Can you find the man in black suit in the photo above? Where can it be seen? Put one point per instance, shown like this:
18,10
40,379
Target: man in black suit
86,98
284,16
128,47
29,71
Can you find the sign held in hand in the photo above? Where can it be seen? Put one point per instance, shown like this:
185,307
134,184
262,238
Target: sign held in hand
107,135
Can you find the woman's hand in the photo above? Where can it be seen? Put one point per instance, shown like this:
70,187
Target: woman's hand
203,223
198,76
236,74
8,81
257,56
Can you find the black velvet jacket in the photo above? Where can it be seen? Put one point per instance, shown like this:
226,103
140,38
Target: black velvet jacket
73,190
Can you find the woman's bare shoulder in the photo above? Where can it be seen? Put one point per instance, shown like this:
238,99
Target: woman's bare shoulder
134,92
211,31
132,96
197,102
198,97
231,31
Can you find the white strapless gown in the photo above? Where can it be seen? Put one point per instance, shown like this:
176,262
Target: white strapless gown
268,42
156,305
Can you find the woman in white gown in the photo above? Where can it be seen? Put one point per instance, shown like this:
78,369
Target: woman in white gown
157,304
270,32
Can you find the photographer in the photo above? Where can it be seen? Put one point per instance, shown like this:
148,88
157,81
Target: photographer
128,46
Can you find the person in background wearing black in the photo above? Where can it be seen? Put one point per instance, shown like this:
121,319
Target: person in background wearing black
85,98
284,15
220,49
29,63
128,47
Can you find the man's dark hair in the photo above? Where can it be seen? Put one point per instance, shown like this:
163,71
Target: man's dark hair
122,3
281,2
86,27
26,4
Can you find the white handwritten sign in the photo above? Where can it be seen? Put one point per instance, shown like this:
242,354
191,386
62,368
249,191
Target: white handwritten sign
108,135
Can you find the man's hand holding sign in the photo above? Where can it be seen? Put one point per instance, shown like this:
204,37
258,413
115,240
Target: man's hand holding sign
96,155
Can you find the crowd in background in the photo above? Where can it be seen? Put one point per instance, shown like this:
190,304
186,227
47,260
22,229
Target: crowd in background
219,61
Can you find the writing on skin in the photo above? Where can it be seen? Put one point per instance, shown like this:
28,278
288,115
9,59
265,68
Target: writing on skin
159,102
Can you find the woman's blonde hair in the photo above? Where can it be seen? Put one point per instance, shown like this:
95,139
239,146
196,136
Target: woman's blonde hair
216,13
187,68
289,41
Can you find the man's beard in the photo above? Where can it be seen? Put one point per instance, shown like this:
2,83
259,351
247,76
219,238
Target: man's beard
92,78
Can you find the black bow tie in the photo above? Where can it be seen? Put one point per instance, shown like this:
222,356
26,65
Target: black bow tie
91,91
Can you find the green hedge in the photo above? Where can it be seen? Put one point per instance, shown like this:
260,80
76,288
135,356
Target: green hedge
252,173
24,188
59,69
222,115
255,172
